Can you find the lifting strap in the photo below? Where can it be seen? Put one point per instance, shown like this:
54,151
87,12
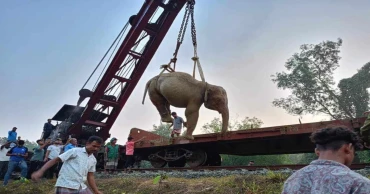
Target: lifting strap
194,39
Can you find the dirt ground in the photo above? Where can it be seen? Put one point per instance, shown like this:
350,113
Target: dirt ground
250,184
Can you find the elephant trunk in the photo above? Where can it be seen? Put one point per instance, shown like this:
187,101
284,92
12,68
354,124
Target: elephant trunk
225,120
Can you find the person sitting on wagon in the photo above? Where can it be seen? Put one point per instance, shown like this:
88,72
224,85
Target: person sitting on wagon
177,124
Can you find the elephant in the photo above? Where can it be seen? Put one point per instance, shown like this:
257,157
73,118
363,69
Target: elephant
181,90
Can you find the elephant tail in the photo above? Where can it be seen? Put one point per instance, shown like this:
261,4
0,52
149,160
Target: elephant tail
146,90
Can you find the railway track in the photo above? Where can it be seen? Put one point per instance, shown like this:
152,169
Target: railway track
236,168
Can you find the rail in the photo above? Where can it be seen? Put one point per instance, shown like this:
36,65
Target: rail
249,168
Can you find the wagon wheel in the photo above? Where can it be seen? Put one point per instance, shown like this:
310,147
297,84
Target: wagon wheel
178,163
198,158
158,163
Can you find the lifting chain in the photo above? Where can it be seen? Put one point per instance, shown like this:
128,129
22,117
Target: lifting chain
189,12
180,39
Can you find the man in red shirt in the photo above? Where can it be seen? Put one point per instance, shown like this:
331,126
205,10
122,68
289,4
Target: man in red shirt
130,146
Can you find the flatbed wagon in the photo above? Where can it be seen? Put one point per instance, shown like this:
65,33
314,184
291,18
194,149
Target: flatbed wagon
205,149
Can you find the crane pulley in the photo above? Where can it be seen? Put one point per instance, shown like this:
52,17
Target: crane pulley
189,13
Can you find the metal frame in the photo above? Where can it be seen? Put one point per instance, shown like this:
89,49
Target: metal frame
125,52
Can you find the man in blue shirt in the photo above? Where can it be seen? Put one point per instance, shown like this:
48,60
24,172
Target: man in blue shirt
12,135
177,124
17,158
72,144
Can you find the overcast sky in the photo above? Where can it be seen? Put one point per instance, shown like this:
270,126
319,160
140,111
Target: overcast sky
49,48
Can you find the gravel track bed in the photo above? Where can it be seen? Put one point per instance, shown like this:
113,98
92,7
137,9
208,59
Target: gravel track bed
205,173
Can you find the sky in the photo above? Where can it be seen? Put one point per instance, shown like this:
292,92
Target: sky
49,48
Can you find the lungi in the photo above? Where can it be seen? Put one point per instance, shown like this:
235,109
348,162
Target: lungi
111,164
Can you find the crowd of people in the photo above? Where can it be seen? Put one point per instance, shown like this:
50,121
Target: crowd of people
13,154
72,165
66,162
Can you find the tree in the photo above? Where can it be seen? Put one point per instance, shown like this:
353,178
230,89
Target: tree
353,91
248,123
215,125
310,78
29,144
162,129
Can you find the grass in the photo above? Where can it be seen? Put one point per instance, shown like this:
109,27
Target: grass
249,184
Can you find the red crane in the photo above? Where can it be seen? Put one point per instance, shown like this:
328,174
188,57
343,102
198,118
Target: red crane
126,66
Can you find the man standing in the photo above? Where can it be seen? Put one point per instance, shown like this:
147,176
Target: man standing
12,135
335,148
177,124
37,159
72,144
77,164
48,143
17,159
48,128
4,159
53,152
111,155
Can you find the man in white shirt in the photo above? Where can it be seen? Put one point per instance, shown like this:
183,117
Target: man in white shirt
4,160
77,164
53,152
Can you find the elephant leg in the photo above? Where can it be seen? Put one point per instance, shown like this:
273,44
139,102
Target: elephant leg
162,106
192,115
168,108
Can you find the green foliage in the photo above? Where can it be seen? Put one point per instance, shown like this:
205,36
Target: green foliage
162,129
363,156
261,184
159,178
215,125
261,160
29,144
276,177
353,91
310,79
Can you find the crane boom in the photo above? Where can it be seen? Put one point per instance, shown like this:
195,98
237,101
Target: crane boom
124,55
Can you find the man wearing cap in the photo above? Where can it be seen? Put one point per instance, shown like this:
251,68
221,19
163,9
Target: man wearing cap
12,135
111,155
177,124
53,152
